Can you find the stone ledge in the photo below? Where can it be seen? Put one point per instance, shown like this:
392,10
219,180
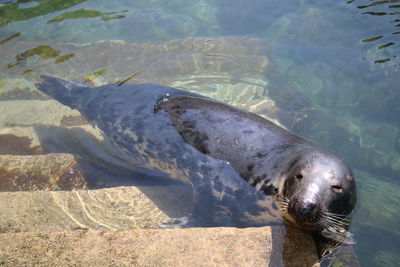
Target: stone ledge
158,247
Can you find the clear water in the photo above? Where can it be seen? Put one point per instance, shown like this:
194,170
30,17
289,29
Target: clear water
333,70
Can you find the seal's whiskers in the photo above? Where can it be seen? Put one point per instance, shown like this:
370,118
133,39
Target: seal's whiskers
283,202
334,222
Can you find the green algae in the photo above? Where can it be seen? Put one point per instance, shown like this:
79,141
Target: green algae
9,38
386,45
12,12
130,77
86,13
64,58
43,51
342,260
27,71
76,14
372,39
382,60
93,76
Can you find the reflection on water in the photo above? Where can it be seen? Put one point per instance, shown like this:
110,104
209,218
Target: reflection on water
386,35
328,72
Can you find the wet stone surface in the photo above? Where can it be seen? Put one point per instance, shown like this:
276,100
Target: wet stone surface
178,247
17,145
45,172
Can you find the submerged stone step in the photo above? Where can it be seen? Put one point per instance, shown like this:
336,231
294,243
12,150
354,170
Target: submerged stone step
41,172
33,112
264,246
117,208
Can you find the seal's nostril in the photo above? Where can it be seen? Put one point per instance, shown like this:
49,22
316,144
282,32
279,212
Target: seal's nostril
337,188
299,176
308,208
303,212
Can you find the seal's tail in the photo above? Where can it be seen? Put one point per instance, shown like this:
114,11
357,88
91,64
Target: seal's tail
68,93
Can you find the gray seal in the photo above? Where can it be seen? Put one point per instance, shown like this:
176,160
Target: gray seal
244,170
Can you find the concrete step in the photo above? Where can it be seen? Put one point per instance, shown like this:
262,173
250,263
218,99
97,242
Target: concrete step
264,246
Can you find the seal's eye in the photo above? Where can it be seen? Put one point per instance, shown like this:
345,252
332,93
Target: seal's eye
337,188
299,176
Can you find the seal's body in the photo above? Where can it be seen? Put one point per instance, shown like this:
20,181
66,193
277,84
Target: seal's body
245,170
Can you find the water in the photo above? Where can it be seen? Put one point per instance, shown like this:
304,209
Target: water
331,70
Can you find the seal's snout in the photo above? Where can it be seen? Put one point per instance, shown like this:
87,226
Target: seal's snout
304,212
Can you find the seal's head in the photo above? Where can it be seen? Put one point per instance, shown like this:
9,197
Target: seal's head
319,191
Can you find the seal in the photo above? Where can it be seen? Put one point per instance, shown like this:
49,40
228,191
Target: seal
244,169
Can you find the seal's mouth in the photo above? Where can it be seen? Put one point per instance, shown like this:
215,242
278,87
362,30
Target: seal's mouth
305,213
311,218
305,225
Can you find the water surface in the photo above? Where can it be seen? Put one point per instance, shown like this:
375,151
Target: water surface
331,70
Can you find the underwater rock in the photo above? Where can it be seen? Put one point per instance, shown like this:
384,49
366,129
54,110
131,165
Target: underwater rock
248,94
249,17
378,203
370,145
387,258
378,145
231,69
304,79
44,139
32,112
381,102
397,142
118,61
203,12
395,163
18,145
41,172
314,80
81,140
150,23
17,89
377,218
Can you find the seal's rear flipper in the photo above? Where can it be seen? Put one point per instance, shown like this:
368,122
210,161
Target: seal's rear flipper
68,93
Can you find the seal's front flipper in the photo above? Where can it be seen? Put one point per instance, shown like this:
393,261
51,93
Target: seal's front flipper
205,124
221,131
332,252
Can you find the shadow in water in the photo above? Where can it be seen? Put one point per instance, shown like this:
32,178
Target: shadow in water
102,170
